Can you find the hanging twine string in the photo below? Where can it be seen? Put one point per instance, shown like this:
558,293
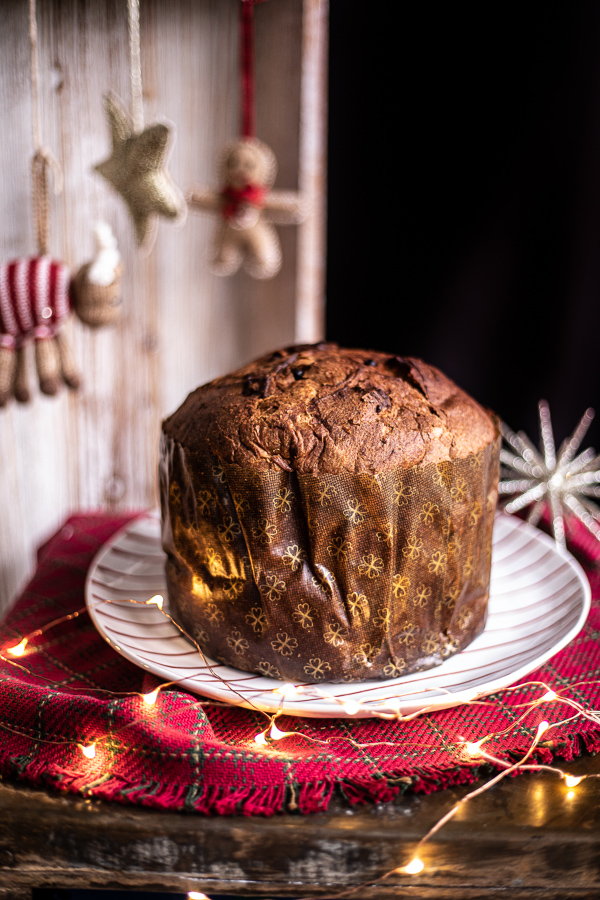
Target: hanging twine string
135,66
43,159
247,78
35,78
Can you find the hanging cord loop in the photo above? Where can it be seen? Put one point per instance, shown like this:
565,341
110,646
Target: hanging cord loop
44,160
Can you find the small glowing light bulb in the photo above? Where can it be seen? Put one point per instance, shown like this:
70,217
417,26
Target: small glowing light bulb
572,780
414,867
89,751
542,727
275,732
473,748
548,696
351,707
260,738
286,690
150,699
197,895
570,795
19,649
157,600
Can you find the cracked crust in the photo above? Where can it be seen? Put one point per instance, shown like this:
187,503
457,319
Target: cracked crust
321,409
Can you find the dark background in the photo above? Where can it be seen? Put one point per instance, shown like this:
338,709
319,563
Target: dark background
464,197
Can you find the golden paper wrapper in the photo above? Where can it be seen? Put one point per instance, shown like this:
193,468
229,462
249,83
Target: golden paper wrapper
331,577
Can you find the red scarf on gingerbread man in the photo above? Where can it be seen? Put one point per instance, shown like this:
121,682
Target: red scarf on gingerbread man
234,198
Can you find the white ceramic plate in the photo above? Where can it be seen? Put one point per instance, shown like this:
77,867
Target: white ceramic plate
539,600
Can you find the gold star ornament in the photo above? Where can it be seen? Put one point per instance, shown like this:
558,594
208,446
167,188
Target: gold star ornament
137,170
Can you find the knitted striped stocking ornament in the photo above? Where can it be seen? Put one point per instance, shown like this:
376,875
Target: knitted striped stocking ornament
37,295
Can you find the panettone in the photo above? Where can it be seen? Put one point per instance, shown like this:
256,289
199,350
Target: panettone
328,513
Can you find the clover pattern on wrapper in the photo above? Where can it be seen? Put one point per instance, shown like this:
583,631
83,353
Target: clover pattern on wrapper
336,578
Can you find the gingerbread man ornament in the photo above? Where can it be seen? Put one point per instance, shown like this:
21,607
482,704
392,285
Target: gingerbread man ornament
248,210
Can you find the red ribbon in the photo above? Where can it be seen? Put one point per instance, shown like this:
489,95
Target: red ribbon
233,198
247,81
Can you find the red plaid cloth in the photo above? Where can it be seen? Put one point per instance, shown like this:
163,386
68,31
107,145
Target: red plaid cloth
179,755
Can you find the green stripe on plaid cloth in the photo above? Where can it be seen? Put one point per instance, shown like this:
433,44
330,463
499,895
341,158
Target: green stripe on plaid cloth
203,758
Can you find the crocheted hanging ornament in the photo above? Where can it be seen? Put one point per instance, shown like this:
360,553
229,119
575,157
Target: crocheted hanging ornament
247,206
137,170
137,166
37,294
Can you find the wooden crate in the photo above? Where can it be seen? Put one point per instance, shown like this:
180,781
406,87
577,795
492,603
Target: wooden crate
181,325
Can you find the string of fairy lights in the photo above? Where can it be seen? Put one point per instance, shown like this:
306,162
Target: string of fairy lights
468,752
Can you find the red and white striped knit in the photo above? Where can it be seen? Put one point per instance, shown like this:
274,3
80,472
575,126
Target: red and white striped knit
34,299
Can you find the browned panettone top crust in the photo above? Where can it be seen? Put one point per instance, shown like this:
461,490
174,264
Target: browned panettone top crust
321,409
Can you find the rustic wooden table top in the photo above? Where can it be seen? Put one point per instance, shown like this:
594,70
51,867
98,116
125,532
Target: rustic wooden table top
524,839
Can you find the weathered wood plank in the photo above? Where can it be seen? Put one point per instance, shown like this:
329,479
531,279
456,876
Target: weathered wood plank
523,838
181,325
310,305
